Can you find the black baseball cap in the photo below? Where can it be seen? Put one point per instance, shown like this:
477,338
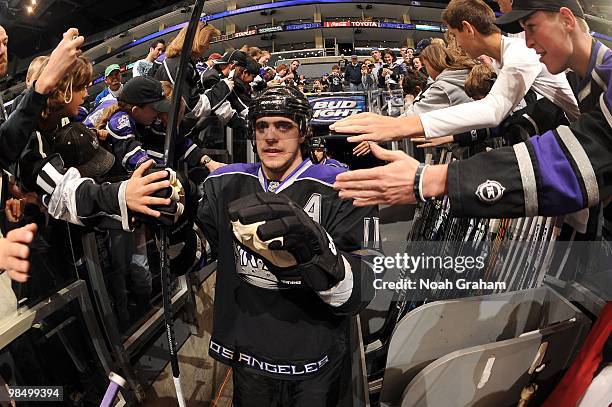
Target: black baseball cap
421,45
252,66
521,9
145,90
79,147
236,57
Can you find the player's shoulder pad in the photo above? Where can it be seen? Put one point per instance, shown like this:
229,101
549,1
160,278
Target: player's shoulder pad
322,172
238,168
121,124
335,163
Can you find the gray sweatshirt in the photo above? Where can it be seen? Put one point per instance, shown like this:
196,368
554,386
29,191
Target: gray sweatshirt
447,90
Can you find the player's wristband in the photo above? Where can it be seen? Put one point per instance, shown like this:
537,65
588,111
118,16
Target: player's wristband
417,185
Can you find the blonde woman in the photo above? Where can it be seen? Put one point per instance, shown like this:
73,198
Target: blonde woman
170,66
448,71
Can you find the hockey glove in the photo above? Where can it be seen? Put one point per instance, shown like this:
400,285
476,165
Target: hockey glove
169,213
273,225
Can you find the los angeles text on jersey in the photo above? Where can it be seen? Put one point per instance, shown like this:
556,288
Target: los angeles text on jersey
277,368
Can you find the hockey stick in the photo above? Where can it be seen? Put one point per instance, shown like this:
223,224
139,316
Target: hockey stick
173,121
533,245
116,382
538,269
556,231
515,267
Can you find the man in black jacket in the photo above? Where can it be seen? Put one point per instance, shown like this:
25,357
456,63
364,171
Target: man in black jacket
353,75
223,67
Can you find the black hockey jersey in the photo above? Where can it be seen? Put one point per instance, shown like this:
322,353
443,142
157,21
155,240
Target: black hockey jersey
270,322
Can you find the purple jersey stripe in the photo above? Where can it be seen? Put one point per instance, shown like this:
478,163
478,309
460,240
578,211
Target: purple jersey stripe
323,172
560,188
135,160
250,169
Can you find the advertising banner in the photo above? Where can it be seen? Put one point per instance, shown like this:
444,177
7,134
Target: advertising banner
397,26
337,24
245,33
274,29
364,24
304,26
328,109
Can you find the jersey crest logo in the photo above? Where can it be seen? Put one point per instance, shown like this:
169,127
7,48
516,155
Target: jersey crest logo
123,121
490,192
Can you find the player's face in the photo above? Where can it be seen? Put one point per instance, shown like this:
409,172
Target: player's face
319,154
548,36
278,144
3,52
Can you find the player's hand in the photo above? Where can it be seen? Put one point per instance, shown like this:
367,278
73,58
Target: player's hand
422,142
14,252
389,184
282,226
61,61
152,193
362,148
375,127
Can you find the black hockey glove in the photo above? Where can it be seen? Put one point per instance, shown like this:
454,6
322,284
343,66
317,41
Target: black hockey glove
269,223
169,213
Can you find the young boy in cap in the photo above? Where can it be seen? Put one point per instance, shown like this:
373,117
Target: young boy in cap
112,78
137,130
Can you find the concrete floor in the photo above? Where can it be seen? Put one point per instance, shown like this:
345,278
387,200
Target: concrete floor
201,376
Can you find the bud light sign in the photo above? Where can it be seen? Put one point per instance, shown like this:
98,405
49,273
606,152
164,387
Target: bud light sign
329,109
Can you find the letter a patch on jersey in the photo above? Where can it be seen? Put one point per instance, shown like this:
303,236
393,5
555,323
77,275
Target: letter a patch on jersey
313,207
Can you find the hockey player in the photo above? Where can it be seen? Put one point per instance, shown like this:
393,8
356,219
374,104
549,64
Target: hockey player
320,155
286,283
